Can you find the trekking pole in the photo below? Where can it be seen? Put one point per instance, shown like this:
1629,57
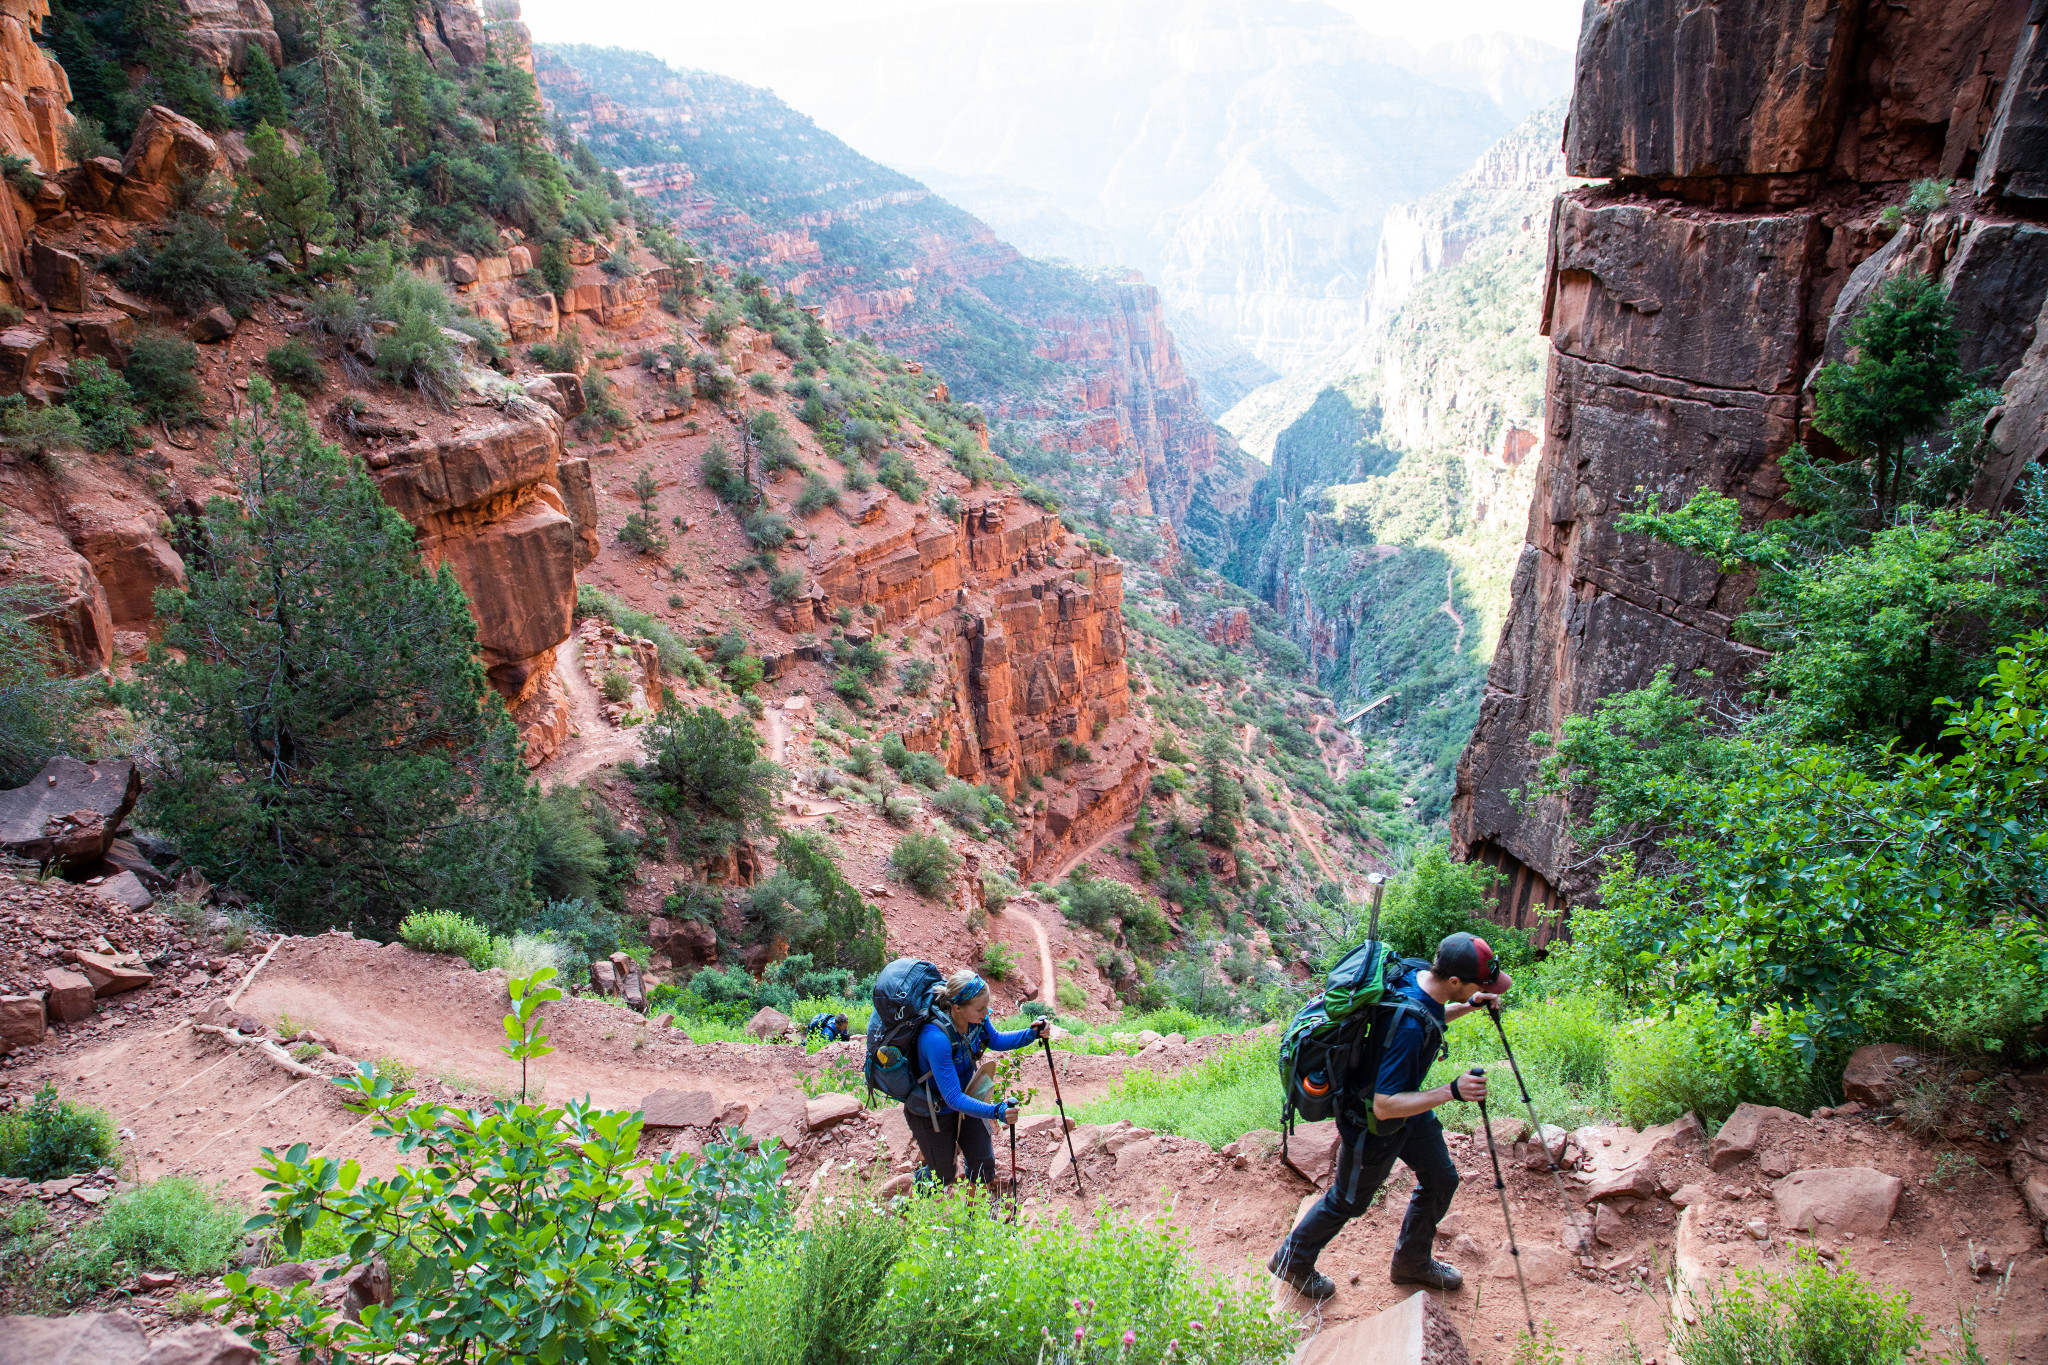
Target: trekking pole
1535,1124
1046,1043
1013,1168
1379,885
1501,1187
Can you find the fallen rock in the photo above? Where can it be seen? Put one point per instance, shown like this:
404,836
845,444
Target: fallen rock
1838,1198
215,324
1744,1133
69,997
899,1183
1313,1149
69,811
80,1339
1034,1126
1579,1232
769,1023
1685,1196
1415,1331
679,1109
829,1110
2032,1178
603,978
1541,1149
1876,1074
204,1343
112,975
780,1117
126,890
1541,1264
1637,1182
1609,1227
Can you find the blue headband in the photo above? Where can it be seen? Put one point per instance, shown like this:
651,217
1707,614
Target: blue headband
969,991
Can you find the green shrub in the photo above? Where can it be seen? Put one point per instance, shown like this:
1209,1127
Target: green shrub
160,371
190,265
589,930
998,960
39,432
720,476
104,403
851,688
1814,1314
1699,1058
818,494
926,862
531,1232
52,1138
169,1224
572,856
960,803
524,954
676,657
1436,898
445,931
784,585
294,365
766,530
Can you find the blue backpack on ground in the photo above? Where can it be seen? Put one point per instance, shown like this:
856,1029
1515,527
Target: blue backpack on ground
904,1000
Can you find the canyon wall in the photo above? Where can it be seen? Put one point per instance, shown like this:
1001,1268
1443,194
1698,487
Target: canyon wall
1749,150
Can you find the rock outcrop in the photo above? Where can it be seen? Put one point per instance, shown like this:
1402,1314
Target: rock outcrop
1690,300
489,503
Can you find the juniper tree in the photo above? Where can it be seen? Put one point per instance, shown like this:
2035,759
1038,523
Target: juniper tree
330,747
1222,799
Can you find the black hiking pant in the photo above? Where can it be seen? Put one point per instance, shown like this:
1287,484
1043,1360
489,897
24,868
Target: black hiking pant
939,1139
1363,1164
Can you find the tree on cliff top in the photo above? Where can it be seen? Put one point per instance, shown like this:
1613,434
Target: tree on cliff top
330,747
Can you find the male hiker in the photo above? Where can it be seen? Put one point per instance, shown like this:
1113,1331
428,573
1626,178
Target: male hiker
832,1028
1389,1117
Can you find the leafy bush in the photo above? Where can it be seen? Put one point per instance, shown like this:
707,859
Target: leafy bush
784,585
294,365
524,954
961,804
1436,898
39,432
1814,1314
998,960
38,703
446,931
51,1138
104,403
572,854
589,930
851,688
818,494
160,371
709,778
527,1232
900,808
1701,1059
766,530
190,265
926,862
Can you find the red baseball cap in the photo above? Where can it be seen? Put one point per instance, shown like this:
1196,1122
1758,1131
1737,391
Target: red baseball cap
1470,958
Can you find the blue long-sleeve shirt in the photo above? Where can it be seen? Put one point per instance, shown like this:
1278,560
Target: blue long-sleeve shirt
951,1064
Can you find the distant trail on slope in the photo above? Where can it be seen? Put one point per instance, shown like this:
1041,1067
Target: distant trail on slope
1301,832
1447,609
1048,994
593,743
1085,854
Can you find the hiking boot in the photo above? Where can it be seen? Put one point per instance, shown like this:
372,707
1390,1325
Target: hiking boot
1306,1281
1430,1275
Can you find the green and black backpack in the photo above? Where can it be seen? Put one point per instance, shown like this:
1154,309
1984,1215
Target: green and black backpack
1335,1040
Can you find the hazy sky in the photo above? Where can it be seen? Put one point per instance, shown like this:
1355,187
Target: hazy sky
739,39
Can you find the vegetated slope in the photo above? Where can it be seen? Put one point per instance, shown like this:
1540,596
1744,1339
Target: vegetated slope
1384,535
1071,367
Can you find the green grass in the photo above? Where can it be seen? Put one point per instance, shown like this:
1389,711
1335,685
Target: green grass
1562,1043
1217,1101
173,1224
445,931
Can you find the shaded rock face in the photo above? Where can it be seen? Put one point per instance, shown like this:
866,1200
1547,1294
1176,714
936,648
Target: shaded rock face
69,811
1751,145
489,503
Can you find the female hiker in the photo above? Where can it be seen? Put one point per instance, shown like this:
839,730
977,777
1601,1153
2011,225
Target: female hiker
943,1117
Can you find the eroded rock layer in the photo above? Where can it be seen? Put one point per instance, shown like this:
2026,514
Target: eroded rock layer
1750,148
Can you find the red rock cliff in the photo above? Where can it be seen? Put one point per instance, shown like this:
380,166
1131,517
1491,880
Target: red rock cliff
1749,147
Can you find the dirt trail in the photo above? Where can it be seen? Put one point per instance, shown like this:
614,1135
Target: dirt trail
1450,593
593,743
1048,984
1244,739
1085,854
1310,842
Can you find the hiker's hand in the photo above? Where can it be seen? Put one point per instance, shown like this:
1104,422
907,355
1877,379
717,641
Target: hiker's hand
1009,1113
1483,1001
1041,1028
1471,1089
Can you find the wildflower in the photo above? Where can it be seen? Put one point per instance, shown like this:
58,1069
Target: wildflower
1130,1338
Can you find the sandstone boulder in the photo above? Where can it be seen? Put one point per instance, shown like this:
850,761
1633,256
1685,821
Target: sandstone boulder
462,269
1877,1074
1634,1184
1743,1134
69,811
1415,1331
780,1117
603,978
167,148
769,1024
1610,1228
215,324
206,1343
1541,1264
579,499
80,1339
2032,1179
111,975
126,890
679,1109
60,277
1312,1147
829,1110
69,995
1840,1199
23,1021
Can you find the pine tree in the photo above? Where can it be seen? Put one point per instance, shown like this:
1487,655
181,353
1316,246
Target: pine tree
288,194
331,748
1221,796
262,91
37,704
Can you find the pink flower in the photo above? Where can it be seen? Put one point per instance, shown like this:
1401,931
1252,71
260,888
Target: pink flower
1130,1338
1078,1333
1194,1325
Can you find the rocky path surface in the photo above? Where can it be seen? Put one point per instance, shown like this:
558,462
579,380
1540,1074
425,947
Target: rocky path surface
593,743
